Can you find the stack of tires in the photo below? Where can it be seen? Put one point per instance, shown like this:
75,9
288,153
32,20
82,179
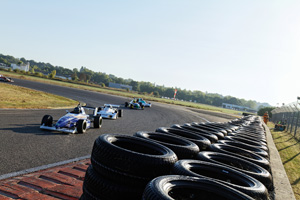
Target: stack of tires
121,166
215,161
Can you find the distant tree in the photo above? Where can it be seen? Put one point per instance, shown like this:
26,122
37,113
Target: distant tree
20,62
156,93
32,70
52,74
262,111
74,76
135,85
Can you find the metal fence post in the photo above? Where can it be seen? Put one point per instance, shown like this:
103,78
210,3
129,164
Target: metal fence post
296,124
292,122
288,121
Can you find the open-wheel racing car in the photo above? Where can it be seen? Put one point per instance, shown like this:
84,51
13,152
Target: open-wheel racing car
133,104
145,104
76,121
110,111
5,79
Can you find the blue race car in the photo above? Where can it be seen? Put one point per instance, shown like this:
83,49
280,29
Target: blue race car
134,104
76,121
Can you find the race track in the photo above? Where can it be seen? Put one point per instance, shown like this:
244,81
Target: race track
23,145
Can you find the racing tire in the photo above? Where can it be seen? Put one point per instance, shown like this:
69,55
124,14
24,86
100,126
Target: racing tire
247,141
132,155
47,120
188,187
184,149
120,113
242,153
142,106
238,164
98,122
131,106
221,173
81,126
249,147
96,186
126,104
201,141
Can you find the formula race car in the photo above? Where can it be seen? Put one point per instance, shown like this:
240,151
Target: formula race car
110,111
133,104
145,104
76,121
5,79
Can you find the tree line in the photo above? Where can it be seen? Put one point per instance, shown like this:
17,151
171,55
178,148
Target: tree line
86,75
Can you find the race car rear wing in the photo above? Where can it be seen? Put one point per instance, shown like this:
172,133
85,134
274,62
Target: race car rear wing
95,109
114,106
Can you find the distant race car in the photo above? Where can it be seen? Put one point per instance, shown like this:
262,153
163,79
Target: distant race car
5,79
76,121
133,104
145,104
110,111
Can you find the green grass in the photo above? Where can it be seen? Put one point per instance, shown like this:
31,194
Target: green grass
121,92
24,98
289,149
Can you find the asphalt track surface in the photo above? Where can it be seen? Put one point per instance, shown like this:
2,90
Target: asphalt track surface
24,145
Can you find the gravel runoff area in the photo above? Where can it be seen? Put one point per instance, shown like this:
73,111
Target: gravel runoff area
282,186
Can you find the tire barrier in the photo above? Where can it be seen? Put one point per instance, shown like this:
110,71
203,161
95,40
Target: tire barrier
201,141
209,160
187,187
239,164
177,129
223,174
241,153
201,129
254,149
184,149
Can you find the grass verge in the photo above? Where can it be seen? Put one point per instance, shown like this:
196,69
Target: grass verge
289,149
24,98
123,93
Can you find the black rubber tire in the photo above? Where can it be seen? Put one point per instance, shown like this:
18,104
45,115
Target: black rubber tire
120,113
200,141
253,138
242,153
81,126
47,120
132,155
186,187
126,104
98,122
184,149
176,127
209,127
247,141
223,174
131,106
239,164
248,147
98,187
198,129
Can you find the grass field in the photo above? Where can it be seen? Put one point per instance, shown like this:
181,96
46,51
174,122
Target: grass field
289,150
23,98
123,93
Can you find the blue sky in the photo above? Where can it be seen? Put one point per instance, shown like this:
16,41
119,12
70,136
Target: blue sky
247,49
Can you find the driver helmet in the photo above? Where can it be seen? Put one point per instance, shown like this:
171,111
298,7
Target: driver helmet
76,110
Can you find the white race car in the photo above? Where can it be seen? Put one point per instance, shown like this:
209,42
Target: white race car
110,111
76,121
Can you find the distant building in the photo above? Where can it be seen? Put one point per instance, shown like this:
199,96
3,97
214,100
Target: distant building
236,107
119,86
22,67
